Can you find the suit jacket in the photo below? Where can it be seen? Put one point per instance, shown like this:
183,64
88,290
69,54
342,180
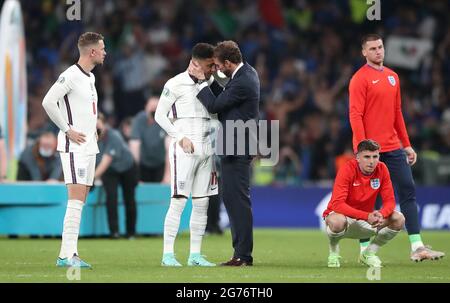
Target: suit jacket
239,100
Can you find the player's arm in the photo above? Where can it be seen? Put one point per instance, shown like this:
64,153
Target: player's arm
50,103
105,162
166,101
387,194
340,195
231,97
357,100
399,124
400,127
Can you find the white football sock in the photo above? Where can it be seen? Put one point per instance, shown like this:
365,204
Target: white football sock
172,223
334,239
383,236
199,217
71,229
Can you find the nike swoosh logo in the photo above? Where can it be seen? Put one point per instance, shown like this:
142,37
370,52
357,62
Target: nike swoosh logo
375,81
213,188
356,184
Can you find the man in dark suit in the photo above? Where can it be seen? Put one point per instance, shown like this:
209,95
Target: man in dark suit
239,101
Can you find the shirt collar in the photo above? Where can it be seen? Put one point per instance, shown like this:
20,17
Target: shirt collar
189,79
237,68
377,69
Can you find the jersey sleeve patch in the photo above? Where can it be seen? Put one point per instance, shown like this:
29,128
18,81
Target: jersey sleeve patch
166,91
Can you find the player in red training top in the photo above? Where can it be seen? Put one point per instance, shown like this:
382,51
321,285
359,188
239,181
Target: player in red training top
376,112
350,212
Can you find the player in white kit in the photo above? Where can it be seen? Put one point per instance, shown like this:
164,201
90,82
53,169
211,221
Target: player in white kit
189,124
71,103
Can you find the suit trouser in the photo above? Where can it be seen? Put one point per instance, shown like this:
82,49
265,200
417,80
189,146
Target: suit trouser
128,181
212,225
403,183
235,184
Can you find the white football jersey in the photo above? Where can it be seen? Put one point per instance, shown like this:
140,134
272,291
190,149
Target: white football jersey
180,113
76,96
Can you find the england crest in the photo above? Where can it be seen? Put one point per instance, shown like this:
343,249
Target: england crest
391,80
375,183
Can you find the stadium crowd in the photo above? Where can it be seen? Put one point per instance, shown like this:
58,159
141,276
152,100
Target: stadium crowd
304,51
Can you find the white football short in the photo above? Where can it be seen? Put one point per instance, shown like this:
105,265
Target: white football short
358,229
78,168
193,173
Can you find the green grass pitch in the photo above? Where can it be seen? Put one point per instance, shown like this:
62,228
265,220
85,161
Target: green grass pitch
280,255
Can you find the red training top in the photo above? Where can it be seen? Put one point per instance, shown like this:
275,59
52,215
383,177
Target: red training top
375,108
354,193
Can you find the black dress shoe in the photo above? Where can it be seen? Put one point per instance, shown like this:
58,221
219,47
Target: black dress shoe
237,262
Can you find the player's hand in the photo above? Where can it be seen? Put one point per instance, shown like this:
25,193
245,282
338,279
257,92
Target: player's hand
187,145
411,155
75,136
380,224
374,218
195,70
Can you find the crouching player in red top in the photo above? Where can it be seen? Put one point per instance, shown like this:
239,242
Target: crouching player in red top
350,212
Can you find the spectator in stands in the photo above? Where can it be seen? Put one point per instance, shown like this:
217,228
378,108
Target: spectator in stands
298,76
3,160
40,161
116,166
147,144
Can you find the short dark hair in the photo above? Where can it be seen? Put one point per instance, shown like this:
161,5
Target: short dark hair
89,38
370,37
202,51
228,50
369,145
